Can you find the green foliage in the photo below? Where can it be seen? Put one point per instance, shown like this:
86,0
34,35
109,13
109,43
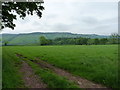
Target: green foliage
44,41
98,63
103,41
96,41
21,8
90,41
6,43
115,38
79,41
33,38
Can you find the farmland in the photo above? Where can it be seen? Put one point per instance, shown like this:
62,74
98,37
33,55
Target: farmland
97,63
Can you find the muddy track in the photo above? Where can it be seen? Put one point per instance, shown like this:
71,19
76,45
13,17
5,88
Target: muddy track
30,79
81,82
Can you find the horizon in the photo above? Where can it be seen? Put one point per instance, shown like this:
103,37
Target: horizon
56,32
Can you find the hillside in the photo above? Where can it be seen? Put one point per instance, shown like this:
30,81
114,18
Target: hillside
33,38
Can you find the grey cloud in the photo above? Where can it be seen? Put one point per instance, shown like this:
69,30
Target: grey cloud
61,27
100,18
90,20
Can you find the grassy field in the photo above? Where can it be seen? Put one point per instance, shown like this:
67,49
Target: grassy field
97,63
11,77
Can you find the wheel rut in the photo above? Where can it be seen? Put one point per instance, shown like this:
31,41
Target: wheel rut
30,79
81,82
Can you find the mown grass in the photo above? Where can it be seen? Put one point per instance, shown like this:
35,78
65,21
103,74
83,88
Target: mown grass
51,79
11,77
98,63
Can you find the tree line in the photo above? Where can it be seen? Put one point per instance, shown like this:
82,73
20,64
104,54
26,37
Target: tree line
113,39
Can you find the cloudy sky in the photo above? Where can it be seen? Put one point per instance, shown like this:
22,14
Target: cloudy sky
75,16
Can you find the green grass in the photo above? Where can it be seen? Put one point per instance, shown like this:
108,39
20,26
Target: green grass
51,79
93,62
11,77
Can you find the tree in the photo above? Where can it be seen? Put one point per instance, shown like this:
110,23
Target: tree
90,41
84,41
10,9
5,43
103,41
50,42
114,38
43,41
96,41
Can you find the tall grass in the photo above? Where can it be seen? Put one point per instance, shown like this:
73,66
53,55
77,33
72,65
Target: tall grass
10,73
98,63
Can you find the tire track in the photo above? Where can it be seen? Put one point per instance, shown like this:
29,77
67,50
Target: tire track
81,82
30,79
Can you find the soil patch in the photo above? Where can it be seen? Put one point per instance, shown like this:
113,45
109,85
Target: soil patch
83,83
30,79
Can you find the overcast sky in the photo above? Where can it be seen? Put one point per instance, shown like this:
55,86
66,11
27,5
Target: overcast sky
75,16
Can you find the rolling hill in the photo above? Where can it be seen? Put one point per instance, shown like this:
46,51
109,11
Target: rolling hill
33,38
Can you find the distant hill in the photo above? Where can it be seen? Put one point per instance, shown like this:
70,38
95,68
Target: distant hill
33,38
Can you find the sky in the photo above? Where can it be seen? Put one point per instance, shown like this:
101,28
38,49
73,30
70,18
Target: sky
75,16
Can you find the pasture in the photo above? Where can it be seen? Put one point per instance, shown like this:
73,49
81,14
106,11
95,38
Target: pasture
97,63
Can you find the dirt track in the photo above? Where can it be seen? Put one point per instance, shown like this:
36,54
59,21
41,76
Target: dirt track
30,77
83,83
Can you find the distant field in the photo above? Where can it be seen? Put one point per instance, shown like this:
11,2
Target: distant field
98,63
